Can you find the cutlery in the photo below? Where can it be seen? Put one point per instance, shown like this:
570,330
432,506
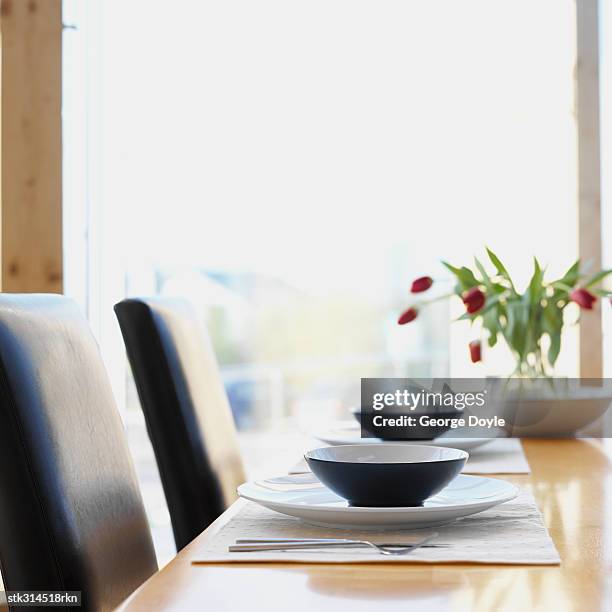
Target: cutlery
325,540
243,545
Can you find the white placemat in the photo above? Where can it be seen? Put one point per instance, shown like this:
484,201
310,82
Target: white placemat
511,533
503,456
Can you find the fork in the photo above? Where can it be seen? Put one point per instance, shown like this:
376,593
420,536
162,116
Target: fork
255,545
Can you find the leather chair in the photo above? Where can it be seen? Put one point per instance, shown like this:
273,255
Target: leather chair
186,410
71,513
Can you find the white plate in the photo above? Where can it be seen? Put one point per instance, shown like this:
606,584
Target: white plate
304,497
350,433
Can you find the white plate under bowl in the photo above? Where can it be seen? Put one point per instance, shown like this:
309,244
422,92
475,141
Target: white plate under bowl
304,497
350,433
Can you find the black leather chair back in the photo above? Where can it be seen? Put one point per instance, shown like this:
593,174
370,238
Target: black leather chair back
186,410
71,513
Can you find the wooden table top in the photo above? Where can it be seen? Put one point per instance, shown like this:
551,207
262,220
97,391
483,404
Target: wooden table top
572,483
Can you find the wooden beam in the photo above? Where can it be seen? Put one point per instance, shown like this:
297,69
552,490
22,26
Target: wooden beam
31,148
589,174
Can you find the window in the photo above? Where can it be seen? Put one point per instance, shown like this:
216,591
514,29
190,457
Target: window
291,166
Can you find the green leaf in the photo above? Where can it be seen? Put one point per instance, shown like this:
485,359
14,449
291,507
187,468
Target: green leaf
515,332
464,275
491,322
553,317
499,266
570,278
597,278
552,324
531,300
554,349
485,277
535,290
469,276
561,287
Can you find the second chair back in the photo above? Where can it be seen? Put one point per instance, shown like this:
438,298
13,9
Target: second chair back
186,410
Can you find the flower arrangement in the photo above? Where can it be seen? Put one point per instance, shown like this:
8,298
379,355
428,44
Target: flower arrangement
523,320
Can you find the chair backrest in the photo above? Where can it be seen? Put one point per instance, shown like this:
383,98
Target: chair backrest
186,409
71,512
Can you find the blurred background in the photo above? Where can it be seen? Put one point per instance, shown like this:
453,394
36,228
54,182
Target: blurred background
290,167
293,180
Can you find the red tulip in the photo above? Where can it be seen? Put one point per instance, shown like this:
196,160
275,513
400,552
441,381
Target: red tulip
585,299
407,316
423,283
474,299
475,351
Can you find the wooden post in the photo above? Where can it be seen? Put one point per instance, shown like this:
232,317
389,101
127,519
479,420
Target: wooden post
589,174
31,145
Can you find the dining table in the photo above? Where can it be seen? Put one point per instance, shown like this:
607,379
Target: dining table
571,481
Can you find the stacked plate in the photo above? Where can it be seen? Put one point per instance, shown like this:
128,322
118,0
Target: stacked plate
387,486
